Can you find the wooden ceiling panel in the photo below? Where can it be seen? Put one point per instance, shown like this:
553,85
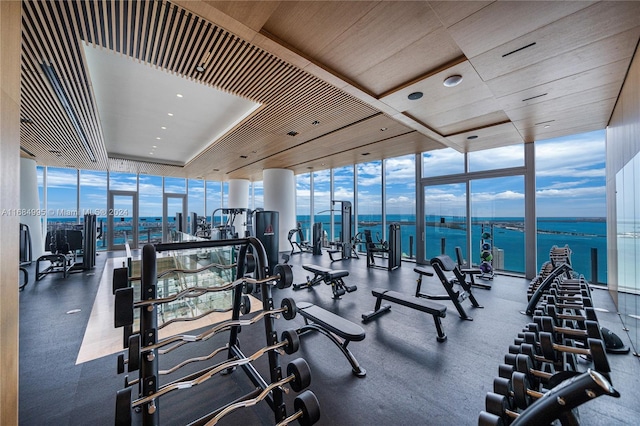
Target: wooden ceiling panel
613,73
588,25
541,111
486,138
611,49
253,14
379,35
311,27
408,64
451,13
502,21
578,119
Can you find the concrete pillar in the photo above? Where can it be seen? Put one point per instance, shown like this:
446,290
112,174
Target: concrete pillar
279,195
30,202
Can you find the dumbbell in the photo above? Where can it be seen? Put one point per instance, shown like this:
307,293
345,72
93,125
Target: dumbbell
498,405
591,329
517,390
552,311
307,410
559,402
594,349
524,364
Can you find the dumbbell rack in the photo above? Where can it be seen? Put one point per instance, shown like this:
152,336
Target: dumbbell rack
147,343
540,380
486,229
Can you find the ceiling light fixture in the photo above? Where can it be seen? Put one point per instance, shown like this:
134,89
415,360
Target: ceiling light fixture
200,68
170,114
414,96
452,80
179,95
163,128
382,129
315,123
472,137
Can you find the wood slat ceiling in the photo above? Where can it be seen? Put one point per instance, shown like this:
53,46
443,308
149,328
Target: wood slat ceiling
334,73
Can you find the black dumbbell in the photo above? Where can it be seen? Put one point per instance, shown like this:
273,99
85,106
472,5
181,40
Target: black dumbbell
594,349
498,405
307,410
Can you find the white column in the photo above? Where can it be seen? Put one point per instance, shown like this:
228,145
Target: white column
30,203
239,199
279,195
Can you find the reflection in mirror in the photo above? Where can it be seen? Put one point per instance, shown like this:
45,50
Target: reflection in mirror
628,244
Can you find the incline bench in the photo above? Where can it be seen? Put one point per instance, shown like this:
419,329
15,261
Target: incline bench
436,309
332,277
335,328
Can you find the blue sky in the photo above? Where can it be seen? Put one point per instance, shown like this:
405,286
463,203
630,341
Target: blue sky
570,181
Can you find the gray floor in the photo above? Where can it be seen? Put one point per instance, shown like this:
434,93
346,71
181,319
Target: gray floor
411,378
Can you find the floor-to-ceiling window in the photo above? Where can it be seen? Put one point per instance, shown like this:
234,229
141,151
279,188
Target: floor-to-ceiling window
122,210
322,202
400,199
342,194
571,201
62,198
497,223
303,204
150,202
369,199
93,200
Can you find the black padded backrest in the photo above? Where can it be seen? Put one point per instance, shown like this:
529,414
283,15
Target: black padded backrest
445,262
367,237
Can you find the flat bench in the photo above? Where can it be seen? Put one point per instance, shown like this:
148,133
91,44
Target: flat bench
332,277
339,330
436,309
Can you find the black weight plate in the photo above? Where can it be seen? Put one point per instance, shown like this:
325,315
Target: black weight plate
308,404
290,309
292,339
301,372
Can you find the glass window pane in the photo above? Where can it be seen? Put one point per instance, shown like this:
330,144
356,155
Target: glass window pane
175,185
496,158
370,198
445,209
442,162
93,200
258,196
123,181
342,191
322,202
400,179
571,199
303,204
195,203
62,198
497,211
150,210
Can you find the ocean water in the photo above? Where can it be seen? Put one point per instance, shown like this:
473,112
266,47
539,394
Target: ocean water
584,236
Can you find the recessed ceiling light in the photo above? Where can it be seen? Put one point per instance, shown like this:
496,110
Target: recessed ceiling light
179,95
382,129
151,153
163,128
158,137
154,146
414,96
315,123
452,80
472,137
170,114
200,68
546,126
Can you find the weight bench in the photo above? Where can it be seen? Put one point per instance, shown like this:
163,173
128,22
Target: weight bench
442,264
332,277
436,309
339,330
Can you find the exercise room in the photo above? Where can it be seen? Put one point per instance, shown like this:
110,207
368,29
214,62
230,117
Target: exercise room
332,213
